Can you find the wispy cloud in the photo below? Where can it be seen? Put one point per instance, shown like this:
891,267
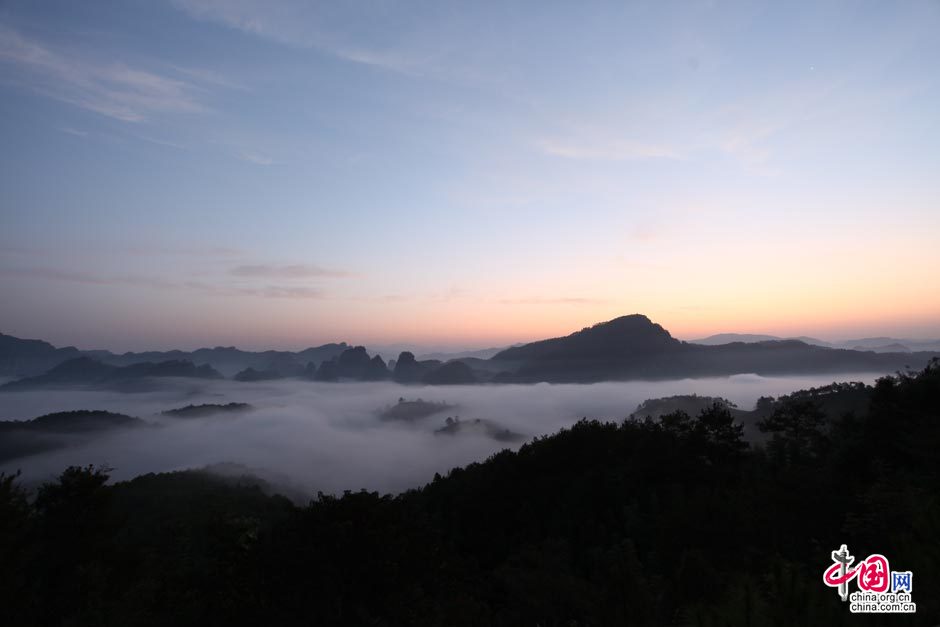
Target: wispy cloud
750,145
86,278
150,282
280,291
605,150
188,251
209,77
267,291
385,59
304,25
122,136
112,89
256,158
297,271
37,252
159,142
561,300
74,131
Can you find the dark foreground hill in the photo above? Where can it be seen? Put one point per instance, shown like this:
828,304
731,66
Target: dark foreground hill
644,522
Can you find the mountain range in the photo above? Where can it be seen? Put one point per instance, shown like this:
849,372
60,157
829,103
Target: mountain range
89,372
22,358
628,347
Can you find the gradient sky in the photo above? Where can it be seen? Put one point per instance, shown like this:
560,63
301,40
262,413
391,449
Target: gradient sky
277,173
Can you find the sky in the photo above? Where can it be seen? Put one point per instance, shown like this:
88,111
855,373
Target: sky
280,174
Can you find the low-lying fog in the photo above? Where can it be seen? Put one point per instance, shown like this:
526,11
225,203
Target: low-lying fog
327,436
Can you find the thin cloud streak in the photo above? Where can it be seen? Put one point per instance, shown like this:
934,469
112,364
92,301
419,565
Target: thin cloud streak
563,300
608,150
208,77
84,278
298,25
296,271
74,131
115,90
256,158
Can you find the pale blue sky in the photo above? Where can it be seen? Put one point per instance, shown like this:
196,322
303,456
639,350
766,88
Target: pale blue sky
284,173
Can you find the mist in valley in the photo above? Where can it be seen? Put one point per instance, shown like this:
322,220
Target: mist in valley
305,437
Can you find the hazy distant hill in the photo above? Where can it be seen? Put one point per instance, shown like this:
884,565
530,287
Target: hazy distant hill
85,371
891,344
230,360
79,421
482,353
876,344
24,358
883,348
633,347
750,338
207,409
19,438
413,410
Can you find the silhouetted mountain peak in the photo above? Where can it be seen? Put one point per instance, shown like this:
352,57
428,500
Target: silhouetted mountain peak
618,337
632,327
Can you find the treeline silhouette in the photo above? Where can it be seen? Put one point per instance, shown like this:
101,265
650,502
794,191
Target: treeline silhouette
643,522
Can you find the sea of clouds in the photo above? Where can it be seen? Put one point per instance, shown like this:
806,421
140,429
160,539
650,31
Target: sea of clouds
309,437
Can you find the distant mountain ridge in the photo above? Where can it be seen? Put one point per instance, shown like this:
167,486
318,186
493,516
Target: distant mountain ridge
876,344
625,348
23,358
230,360
750,338
85,371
